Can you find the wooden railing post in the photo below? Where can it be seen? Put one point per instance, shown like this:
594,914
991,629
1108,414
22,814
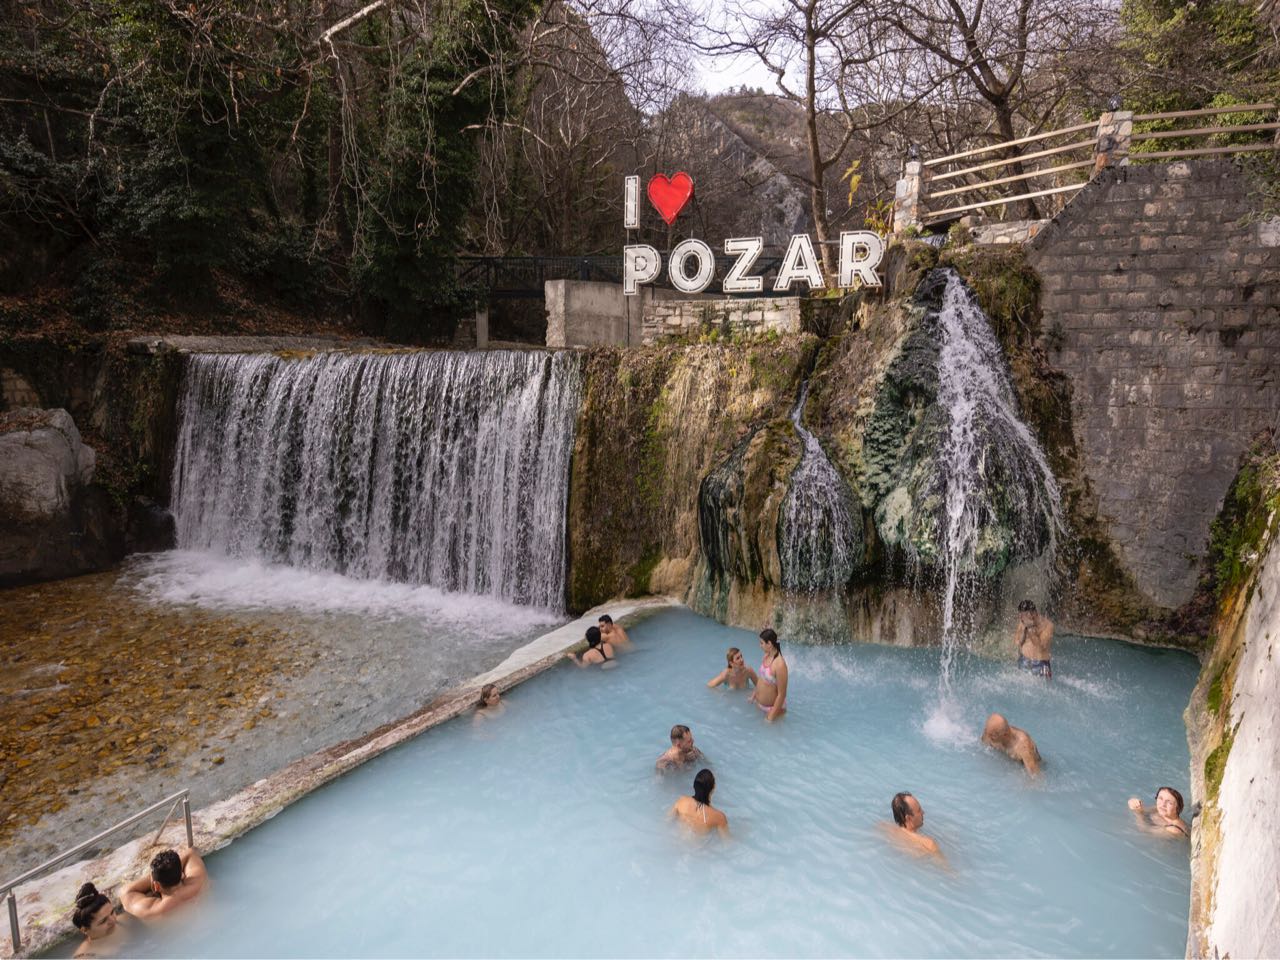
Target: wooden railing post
1115,137
908,197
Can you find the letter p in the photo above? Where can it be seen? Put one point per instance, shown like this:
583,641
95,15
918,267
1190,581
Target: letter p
640,264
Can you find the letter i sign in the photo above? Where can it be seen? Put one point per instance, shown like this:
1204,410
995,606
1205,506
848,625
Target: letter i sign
669,196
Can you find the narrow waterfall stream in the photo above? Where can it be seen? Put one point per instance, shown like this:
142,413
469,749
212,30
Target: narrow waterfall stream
817,540
987,453
440,468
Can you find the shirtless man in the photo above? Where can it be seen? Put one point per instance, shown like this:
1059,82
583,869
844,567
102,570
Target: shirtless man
1014,741
175,880
682,752
1033,637
908,817
614,633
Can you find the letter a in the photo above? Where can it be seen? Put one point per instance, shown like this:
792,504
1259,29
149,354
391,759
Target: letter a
799,263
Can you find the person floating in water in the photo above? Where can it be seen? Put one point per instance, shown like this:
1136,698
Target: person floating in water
1033,637
771,683
1166,818
599,651
1017,743
95,917
614,633
737,674
490,703
174,881
697,810
682,752
908,818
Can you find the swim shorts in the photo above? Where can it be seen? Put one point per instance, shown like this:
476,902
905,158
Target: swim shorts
1039,668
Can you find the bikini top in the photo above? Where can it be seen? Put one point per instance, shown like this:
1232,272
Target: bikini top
766,670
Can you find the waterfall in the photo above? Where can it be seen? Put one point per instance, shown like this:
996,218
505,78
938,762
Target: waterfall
818,542
441,468
990,462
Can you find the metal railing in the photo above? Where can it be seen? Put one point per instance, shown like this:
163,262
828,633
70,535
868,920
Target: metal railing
1113,140
8,889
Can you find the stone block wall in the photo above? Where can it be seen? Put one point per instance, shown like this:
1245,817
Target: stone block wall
1161,299
738,317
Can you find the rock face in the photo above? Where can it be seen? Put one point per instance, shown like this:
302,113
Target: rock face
53,523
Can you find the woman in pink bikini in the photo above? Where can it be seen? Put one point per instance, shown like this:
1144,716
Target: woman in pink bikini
771,686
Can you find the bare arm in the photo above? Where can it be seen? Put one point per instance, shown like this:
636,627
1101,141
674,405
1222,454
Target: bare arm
781,703
1031,757
718,679
193,866
138,899
1019,636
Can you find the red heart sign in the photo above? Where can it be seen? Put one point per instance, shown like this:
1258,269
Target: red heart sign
669,196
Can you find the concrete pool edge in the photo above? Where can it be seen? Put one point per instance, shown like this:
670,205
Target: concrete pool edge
45,904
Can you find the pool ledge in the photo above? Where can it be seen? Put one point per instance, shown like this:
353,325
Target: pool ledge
45,905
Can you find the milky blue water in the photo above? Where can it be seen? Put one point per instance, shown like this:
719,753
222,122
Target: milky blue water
542,832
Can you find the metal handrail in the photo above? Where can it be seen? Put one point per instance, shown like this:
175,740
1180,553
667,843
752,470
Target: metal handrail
1011,143
7,889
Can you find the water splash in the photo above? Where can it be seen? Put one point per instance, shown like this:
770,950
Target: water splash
818,542
440,468
988,454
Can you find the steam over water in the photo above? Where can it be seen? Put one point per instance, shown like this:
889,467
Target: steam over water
816,538
440,468
988,453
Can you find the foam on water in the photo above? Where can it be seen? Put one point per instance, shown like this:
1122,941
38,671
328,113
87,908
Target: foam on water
543,832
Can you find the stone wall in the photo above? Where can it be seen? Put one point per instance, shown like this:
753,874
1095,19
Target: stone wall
736,317
587,313
1161,300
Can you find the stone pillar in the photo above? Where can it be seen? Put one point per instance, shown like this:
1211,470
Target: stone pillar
908,197
482,326
1115,136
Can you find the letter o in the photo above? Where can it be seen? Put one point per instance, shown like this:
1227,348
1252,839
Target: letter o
680,279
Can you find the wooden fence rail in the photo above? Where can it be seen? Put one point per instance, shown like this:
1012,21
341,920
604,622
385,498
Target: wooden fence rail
1113,142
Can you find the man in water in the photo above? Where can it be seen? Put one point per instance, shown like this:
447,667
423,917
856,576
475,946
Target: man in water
1002,735
614,633
174,881
682,752
1034,639
908,815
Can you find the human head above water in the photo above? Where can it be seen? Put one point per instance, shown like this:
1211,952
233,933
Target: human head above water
997,728
1174,795
904,807
593,636
88,903
166,869
732,655
703,784
771,638
489,695
605,620
679,732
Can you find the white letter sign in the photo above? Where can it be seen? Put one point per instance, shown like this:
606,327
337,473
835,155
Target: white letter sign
747,249
680,278
640,264
860,254
799,263
631,203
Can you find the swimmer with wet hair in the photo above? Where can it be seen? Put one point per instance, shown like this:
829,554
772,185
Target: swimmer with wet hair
599,651
682,752
490,703
1166,818
1013,741
736,673
176,879
696,811
613,633
1033,638
771,682
95,917
908,818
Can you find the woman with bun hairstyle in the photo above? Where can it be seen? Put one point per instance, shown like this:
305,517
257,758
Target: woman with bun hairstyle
95,916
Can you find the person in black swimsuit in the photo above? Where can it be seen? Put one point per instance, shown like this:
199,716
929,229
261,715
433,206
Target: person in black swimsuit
599,650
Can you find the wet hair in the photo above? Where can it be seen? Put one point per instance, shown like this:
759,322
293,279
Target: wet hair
1177,797
605,618
771,638
703,784
166,868
88,902
593,636
484,694
728,657
1026,606
901,809
678,732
